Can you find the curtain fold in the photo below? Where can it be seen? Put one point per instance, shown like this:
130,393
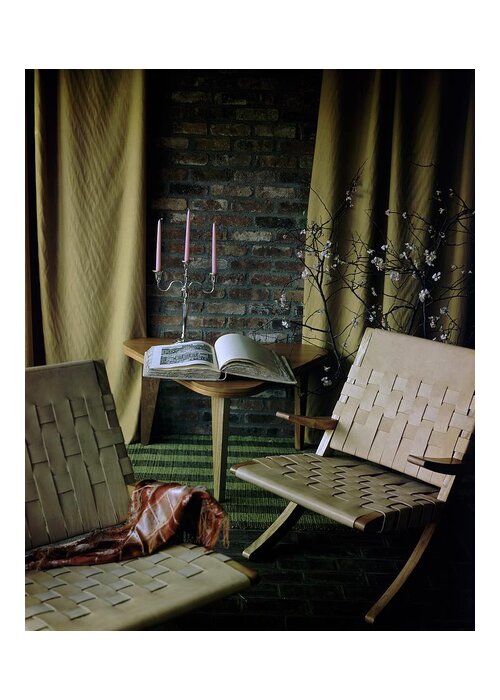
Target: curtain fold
90,216
412,131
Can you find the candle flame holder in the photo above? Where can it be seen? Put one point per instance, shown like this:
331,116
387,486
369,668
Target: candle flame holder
185,286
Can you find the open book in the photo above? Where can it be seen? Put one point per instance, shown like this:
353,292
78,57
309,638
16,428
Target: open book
233,354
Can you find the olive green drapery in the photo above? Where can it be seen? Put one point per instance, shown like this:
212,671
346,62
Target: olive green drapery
89,162
391,122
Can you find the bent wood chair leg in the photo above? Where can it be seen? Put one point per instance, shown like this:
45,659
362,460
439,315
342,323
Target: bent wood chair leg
403,575
275,532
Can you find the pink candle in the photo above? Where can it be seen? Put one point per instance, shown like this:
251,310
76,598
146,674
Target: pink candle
188,235
214,251
158,247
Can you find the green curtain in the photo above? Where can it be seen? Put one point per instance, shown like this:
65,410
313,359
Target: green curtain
90,215
412,131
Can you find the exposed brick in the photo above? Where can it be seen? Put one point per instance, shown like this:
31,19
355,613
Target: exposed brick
276,161
190,158
186,188
214,174
225,308
254,115
253,145
170,203
231,249
190,128
269,280
230,99
190,96
212,144
230,190
252,236
275,192
275,222
209,204
255,176
277,130
231,159
177,142
293,146
230,129
253,205
252,293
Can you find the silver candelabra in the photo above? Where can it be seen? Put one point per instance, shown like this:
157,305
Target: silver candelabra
185,287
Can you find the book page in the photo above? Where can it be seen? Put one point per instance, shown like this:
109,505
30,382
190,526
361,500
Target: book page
236,347
195,352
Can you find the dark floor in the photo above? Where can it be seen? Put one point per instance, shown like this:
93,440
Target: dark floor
329,580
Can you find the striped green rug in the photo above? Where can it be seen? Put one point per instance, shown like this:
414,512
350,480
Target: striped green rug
188,459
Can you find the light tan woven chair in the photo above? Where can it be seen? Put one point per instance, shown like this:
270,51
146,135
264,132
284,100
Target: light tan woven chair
77,470
400,431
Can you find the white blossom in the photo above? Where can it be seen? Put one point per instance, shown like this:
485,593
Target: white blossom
384,247
379,263
305,274
355,322
436,276
423,294
300,254
285,324
326,381
430,257
394,275
387,212
404,215
441,210
374,292
443,310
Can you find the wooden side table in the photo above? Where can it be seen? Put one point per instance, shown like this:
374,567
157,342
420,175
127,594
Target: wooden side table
301,357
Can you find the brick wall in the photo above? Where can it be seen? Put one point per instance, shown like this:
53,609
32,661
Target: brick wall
235,147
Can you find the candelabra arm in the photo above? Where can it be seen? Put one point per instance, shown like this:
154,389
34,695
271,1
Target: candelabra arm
185,286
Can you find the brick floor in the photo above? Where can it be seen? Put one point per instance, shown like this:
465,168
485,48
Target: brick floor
328,581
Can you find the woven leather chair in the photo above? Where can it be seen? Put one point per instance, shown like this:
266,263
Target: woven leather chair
398,435
77,471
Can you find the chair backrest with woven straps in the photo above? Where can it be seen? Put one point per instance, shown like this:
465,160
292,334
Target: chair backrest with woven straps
77,466
406,396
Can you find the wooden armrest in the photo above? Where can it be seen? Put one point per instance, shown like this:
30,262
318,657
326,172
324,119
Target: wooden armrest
319,423
442,465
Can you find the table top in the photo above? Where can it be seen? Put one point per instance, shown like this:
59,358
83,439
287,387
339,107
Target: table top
299,355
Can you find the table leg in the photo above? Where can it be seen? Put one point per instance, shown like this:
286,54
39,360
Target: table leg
149,394
220,433
300,408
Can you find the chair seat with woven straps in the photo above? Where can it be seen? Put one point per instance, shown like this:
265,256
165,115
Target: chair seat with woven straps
347,490
131,594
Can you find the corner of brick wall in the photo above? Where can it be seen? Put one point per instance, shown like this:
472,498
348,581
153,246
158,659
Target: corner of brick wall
235,147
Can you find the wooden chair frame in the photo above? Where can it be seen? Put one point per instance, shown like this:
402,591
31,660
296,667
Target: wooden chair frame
446,414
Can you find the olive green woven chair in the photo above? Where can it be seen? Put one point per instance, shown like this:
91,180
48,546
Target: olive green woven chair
77,471
388,458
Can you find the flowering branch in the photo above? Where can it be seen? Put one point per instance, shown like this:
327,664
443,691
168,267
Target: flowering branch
409,287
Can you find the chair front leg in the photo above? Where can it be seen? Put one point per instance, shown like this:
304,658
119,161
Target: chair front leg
404,574
275,532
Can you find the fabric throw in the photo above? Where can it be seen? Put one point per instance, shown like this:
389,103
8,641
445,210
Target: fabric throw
159,512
